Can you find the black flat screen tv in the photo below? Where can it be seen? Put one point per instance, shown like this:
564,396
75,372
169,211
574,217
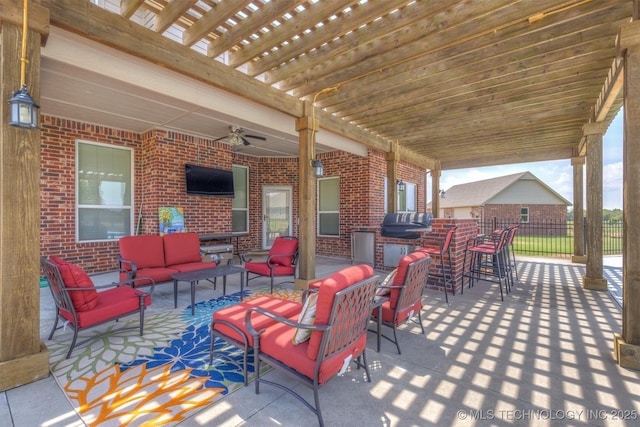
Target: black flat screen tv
208,181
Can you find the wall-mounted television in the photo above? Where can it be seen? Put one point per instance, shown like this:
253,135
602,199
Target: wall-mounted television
208,181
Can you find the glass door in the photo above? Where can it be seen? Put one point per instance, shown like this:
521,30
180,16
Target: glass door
276,202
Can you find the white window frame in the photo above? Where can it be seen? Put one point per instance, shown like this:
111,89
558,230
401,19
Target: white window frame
410,188
524,215
78,206
321,213
246,202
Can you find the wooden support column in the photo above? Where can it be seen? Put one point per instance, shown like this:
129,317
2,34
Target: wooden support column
627,345
23,358
578,210
594,279
307,126
435,192
392,157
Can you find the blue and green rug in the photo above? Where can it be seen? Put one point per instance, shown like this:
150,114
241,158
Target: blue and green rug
160,378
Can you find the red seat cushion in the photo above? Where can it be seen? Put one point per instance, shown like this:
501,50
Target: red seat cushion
263,269
277,342
111,303
74,277
234,315
403,315
403,264
158,274
328,288
146,251
283,246
181,248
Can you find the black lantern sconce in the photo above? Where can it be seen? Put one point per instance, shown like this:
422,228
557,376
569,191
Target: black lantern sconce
401,185
442,194
318,168
24,111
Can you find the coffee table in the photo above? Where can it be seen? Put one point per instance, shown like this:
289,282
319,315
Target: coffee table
207,274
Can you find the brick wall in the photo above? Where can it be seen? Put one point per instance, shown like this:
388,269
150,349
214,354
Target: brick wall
159,158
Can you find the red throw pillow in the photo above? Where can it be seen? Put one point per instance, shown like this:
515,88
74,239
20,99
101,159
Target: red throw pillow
283,246
75,277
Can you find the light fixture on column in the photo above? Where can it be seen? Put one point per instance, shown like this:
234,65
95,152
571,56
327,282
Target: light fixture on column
442,194
401,185
24,111
318,168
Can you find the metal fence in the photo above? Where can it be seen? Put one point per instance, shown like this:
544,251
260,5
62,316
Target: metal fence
549,238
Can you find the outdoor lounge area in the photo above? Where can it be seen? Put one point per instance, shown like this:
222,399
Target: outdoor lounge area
543,356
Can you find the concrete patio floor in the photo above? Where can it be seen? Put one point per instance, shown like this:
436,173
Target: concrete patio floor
543,356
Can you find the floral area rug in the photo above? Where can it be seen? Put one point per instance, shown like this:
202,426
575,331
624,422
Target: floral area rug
161,378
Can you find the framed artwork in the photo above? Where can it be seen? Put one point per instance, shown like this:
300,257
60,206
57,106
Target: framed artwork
170,220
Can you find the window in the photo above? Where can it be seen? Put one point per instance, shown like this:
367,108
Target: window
524,214
407,199
329,207
240,205
104,191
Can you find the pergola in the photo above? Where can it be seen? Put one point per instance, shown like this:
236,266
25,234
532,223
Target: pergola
440,84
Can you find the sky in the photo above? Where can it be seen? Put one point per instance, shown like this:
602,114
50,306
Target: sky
557,174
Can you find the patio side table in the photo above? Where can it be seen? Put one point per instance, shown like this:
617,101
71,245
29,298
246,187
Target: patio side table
207,274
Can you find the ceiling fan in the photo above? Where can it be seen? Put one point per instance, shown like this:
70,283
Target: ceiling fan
237,136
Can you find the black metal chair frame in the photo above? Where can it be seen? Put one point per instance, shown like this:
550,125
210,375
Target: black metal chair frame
482,268
271,265
348,321
447,270
410,292
62,299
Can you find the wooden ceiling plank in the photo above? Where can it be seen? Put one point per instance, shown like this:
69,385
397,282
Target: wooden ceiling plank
170,14
443,30
267,14
477,54
129,7
211,20
306,20
339,36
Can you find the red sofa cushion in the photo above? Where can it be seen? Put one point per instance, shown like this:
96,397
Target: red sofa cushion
403,264
234,315
74,277
263,269
110,304
327,290
146,251
181,248
158,274
283,246
277,342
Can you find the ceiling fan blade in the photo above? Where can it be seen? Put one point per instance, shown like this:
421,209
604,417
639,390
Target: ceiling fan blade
262,138
221,138
244,140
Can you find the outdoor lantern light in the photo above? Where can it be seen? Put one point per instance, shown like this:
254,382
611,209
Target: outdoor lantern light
24,111
318,168
442,194
401,185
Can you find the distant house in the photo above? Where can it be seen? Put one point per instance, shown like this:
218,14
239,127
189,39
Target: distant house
517,198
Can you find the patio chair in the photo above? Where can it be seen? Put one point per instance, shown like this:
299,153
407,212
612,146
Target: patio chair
487,259
81,306
404,293
281,261
447,271
336,337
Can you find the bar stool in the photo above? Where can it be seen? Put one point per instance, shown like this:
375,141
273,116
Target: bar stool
488,259
440,251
